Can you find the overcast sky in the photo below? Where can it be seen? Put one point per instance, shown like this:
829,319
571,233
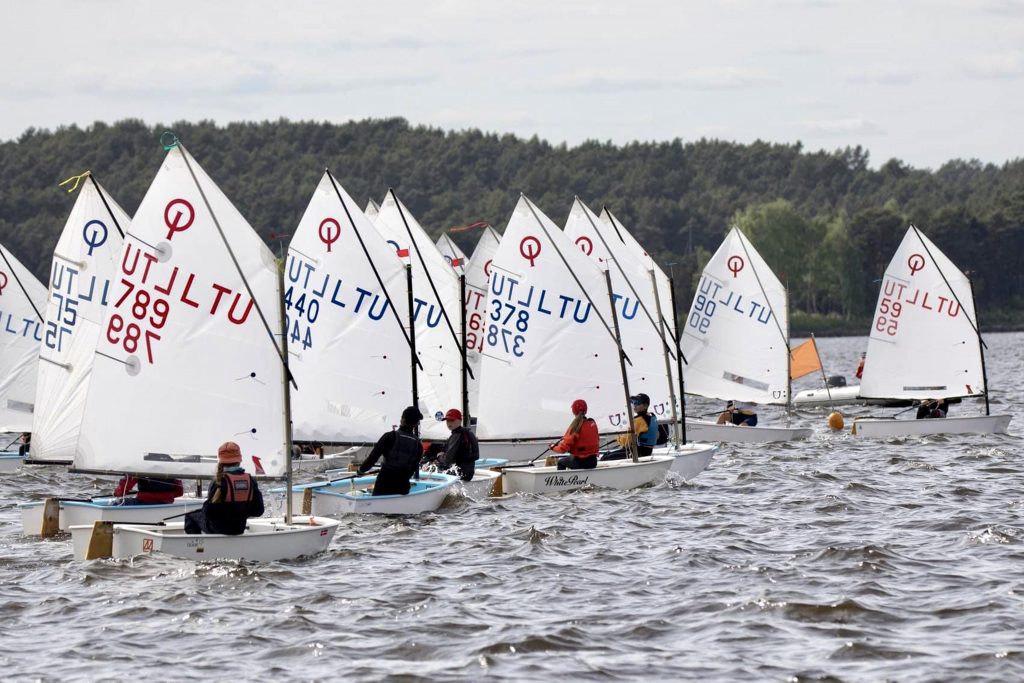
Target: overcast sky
921,81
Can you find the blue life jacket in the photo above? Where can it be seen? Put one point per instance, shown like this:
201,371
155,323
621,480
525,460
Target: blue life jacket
650,437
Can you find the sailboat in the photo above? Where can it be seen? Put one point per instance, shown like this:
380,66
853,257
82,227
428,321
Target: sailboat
452,254
735,340
193,352
351,349
85,264
435,303
22,299
925,343
86,261
550,339
647,338
478,276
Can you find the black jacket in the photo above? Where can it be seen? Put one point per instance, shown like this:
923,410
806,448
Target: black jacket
401,450
462,448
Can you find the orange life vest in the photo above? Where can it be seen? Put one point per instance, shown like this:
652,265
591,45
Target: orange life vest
238,488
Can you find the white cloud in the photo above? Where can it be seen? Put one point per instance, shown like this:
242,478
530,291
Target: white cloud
1008,65
882,74
722,78
215,73
846,127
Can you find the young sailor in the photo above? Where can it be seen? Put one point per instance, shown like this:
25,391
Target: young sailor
150,490
462,449
580,440
931,408
738,413
233,497
645,430
402,450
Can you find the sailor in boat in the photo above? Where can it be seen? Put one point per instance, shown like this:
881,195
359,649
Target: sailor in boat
149,490
645,430
580,441
25,441
402,451
462,450
739,413
932,408
860,365
233,497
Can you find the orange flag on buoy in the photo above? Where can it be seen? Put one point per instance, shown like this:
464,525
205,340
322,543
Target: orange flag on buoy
804,359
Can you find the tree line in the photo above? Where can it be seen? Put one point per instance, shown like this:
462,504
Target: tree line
826,222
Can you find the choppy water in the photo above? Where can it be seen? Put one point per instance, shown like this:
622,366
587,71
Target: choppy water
832,559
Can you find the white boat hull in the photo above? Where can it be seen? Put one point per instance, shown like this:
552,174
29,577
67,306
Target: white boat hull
481,484
515,451
841,396
838,396
10,461
79,512
354,496
688,460
709,431
265,540
971,424
616,474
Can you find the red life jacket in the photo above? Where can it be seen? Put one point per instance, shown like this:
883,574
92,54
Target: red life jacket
237,487
587,440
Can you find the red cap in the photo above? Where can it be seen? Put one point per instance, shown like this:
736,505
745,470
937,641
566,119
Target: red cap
579,406
229,453
453,414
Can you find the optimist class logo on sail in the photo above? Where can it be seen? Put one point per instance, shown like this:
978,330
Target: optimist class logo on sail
154,289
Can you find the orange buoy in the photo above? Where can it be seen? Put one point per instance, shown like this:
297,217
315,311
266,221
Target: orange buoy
835,420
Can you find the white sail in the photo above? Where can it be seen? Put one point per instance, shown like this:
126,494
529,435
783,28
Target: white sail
661,282
736,336
452,254
478,276
348,347
436,315
548,335
22,299
924,340
634,303
84,273
185,361
372,209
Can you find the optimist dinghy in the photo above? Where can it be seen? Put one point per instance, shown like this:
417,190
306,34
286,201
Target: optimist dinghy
925,343
22,301
57,515
709,431
264,540
552,338
615,474
189,329
354,495
736,341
